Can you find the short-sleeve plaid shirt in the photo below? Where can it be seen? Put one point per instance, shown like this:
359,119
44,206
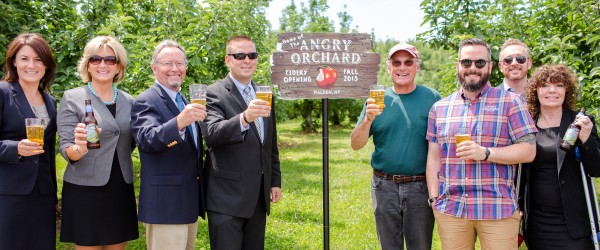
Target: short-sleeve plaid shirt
478,190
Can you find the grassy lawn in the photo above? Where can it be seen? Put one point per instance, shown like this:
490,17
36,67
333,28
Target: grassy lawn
296,222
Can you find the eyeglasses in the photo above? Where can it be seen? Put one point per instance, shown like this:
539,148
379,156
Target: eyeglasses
407,63
179,65
519,59
109,60
242,56
479,63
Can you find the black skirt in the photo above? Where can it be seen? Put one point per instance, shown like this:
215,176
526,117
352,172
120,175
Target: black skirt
28,221
104,215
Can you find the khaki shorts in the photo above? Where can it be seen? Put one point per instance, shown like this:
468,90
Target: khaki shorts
459,233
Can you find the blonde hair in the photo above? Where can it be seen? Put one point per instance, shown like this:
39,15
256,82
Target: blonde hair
92,47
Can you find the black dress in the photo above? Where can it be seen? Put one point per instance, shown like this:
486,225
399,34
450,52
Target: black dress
547,228
102,215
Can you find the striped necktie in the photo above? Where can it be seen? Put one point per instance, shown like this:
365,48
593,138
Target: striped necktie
258,121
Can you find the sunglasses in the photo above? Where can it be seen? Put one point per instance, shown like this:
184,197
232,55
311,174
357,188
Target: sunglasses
242,56
109,60
479,63
407,63
519,59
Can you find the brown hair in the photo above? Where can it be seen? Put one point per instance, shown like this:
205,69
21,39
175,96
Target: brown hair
474,42
233,39
516,42
551,73
41,48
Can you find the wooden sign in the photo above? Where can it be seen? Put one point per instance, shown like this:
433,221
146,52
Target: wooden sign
324,65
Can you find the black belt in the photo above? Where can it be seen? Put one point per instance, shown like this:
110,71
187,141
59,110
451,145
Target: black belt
397,178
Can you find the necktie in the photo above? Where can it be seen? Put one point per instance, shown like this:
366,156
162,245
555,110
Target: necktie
258,121
180,106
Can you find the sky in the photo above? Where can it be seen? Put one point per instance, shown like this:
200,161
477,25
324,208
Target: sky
394,19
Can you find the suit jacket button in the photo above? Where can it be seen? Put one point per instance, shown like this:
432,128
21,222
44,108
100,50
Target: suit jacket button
197,178
35,161
562,182
116,133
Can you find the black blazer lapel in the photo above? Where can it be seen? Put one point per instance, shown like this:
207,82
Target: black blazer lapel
237,96
235,93
21,100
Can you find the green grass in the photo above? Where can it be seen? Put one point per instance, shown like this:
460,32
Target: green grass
296,222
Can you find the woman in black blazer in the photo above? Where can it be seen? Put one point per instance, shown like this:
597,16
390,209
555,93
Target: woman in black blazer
27,169
555,209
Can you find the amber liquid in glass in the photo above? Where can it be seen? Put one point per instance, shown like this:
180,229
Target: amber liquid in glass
461,138
198,101
36,134
265,96
379,96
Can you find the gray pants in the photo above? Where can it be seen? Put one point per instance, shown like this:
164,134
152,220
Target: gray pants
401,211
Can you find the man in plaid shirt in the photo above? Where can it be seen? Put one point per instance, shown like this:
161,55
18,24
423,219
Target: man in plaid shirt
471,185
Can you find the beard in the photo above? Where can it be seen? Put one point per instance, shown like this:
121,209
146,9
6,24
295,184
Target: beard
473,86
519,68
174,85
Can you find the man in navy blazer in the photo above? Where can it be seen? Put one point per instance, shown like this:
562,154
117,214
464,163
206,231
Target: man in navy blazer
166,130
242,163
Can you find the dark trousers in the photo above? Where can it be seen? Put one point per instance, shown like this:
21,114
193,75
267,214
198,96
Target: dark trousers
229,232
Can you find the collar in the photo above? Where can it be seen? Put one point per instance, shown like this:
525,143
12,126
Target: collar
240,86
172,94
505,86
483,91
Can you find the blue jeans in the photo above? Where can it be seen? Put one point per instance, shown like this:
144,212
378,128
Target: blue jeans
401,211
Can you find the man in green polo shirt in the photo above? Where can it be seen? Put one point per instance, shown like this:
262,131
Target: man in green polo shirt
398,190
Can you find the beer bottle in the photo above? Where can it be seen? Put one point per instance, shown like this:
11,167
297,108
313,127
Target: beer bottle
571,135
91,127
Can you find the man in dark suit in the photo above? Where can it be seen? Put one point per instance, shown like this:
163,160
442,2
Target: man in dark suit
165,127
243,160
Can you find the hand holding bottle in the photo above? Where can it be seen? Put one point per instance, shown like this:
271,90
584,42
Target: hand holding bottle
580,129
586,125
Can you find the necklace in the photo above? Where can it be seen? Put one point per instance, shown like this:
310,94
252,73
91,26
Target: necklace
114,100
546,122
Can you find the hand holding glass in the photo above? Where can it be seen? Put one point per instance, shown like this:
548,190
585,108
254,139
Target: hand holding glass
35,130
265,93
198,94
377,92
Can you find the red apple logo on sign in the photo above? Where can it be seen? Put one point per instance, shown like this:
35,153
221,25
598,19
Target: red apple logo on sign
326,77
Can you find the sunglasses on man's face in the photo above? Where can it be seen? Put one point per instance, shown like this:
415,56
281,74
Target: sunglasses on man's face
519,59
242,56
109,60
407,63
479,63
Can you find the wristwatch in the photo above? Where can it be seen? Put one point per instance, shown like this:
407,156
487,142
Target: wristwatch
431,200
487,154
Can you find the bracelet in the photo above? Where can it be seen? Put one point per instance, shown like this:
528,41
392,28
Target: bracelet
244,116
77,150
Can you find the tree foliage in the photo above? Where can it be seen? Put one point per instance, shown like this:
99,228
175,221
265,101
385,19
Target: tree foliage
201,28
557,31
